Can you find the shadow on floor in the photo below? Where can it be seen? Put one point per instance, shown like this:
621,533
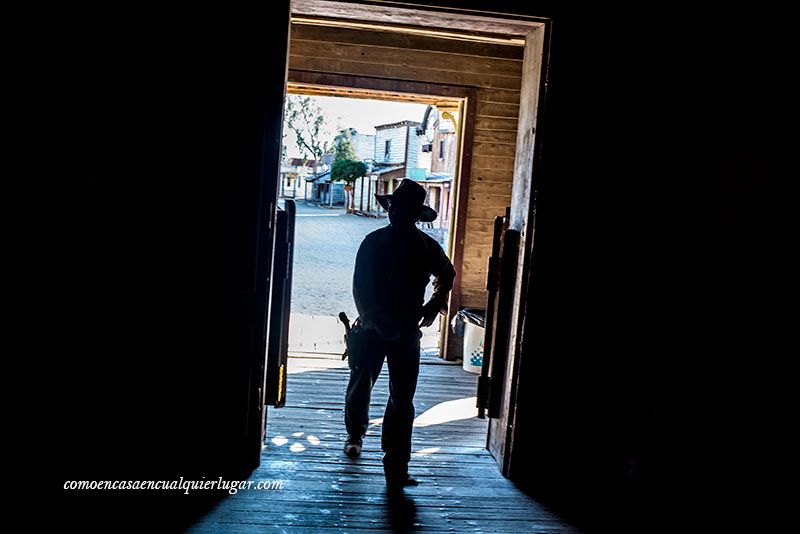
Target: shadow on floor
460,488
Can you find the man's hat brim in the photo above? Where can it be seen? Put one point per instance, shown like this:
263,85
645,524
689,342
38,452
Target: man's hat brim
427,214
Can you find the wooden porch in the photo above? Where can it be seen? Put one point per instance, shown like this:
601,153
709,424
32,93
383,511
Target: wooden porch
460,488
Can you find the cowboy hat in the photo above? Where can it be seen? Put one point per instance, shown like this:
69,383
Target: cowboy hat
413,194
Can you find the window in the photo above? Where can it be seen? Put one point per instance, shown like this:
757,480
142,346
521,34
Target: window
441,149
387,150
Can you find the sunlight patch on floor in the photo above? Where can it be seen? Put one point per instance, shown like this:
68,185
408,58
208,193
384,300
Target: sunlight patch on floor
298,444
426,452
445,412
300,363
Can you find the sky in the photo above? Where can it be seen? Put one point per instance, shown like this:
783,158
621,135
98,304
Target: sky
363,115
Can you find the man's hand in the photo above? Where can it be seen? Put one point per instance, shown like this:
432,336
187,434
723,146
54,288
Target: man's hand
429,312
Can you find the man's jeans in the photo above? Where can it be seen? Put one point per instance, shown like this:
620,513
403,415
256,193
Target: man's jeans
398,419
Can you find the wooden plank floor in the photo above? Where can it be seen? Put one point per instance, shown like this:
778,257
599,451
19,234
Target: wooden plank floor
460,488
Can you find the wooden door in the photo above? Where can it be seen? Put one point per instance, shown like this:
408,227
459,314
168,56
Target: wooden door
257,202
168,169
515,252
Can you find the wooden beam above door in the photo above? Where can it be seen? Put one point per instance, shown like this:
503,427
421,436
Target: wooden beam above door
440,22
300,88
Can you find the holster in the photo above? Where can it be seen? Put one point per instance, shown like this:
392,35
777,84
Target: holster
358,342
351,338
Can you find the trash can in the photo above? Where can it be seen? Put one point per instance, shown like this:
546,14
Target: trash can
474,321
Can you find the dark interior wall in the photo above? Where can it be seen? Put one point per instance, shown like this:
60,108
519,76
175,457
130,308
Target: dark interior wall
160,128
654,387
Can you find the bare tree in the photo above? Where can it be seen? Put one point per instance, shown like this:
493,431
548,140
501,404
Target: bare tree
305,119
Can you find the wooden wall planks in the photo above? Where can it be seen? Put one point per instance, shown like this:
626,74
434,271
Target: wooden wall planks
494,70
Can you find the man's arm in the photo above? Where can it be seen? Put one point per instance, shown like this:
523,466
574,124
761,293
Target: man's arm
444,272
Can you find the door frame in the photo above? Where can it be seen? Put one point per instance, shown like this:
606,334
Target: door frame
254,213
459,201
535,49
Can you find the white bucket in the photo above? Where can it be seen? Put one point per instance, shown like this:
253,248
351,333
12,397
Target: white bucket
473,347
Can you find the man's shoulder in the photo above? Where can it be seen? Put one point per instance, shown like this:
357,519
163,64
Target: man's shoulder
429,241
373,237
376,234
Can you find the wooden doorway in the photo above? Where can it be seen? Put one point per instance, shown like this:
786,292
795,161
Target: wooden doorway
462,98
502,58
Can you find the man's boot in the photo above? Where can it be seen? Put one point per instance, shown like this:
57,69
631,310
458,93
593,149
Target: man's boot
352,446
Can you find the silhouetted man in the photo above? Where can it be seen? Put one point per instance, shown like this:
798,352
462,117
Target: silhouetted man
393,268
